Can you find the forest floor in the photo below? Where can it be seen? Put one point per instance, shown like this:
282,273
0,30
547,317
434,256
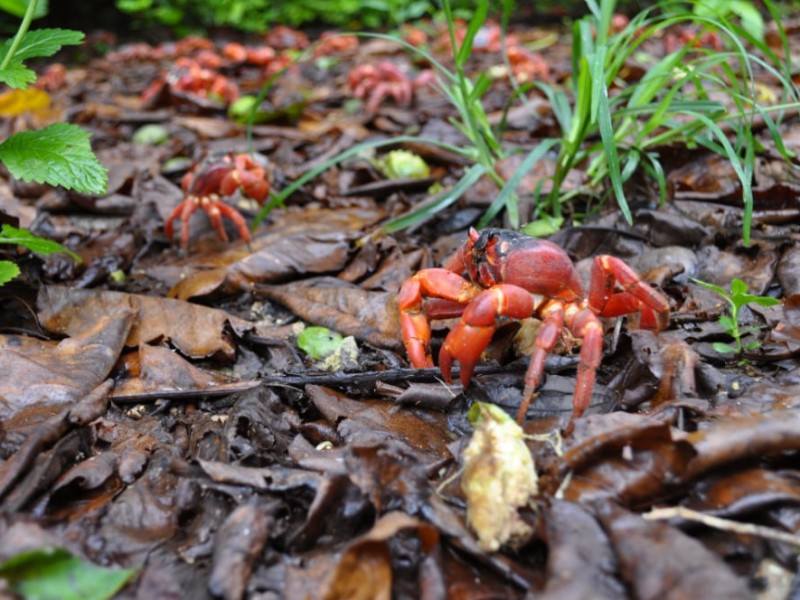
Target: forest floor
159,415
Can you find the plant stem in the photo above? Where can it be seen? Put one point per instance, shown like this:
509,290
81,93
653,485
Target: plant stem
23,29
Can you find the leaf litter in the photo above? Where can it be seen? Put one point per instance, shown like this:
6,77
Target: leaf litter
167,422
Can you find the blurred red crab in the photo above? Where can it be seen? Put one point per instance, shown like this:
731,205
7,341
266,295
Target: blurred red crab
208,182
375,83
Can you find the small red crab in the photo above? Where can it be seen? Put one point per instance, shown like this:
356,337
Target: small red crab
385,80
505,273
333,42
527,65
207,183
189,77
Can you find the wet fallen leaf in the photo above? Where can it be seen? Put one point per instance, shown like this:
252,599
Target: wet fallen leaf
686,570
630,458
365,569
580,560
298,244
371,317
197,331
45,373
163,373
237,545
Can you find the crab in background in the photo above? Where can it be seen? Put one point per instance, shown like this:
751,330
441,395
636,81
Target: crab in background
502,273
189,77
206,185
375,83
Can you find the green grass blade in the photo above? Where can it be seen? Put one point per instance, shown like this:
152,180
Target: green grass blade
654,168
610,146
598,62
475,23
278,199
509,189
744,172
438,203
559,104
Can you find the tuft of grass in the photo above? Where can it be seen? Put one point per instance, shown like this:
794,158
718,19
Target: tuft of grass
609,128
676,102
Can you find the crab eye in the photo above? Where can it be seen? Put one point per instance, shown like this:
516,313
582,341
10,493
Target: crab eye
491,250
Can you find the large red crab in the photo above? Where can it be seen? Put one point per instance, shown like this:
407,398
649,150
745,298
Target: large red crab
505,273
208,182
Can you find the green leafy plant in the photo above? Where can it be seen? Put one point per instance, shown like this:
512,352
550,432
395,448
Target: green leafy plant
55,573
258,15
737,298
23,237
59,154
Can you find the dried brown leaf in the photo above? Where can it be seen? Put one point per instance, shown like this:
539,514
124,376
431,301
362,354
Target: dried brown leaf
365,569
580,560
35,371
197,331
237,545
371,317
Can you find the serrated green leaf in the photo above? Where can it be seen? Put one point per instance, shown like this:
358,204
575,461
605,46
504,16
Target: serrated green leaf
17,76
59,155
42,42
23,237
723,348
55,573
8,271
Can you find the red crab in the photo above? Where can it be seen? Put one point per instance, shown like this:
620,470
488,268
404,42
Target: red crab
385,80
527,65
333,42
207,183
188,77
504,273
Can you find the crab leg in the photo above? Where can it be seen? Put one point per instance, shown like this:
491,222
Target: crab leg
184,210
585,325
552,315
213,208
636,296
435,283
469,338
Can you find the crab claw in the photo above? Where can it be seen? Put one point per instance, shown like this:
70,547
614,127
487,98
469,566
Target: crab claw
247,176
465,343
414,324
470,337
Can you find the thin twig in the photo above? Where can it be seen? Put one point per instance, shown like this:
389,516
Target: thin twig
688,514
